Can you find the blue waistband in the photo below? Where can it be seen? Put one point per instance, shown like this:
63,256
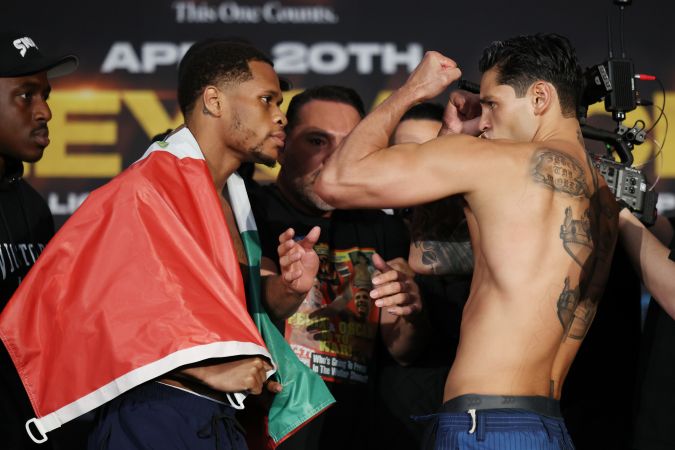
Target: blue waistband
502,420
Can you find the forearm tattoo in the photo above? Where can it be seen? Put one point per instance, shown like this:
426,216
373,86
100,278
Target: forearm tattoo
440,231
447,257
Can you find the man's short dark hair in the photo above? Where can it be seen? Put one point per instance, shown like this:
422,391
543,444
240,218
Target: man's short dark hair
213,62
424,111
330,93
522,60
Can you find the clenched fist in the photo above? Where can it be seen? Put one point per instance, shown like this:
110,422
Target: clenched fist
433,74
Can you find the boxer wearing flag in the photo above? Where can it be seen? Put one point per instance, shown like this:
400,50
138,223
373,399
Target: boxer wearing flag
148,300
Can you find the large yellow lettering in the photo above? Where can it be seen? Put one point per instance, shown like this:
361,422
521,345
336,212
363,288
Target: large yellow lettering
149,112
266,174
287,96
57,162
381,96
144,106
667,169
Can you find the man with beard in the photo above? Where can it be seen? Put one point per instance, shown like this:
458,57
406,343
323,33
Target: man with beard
543,227
339,335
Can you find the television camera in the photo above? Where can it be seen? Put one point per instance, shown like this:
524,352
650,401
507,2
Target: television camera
614,81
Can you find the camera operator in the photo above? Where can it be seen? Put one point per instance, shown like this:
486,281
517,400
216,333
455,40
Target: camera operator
652,259
654,414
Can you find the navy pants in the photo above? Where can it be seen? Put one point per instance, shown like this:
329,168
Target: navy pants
155,416
503,429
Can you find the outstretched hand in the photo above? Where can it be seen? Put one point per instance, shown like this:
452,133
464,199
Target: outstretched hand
462,114
394,287
433,74
298,261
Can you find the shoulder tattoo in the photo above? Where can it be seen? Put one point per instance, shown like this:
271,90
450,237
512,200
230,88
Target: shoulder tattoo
559,172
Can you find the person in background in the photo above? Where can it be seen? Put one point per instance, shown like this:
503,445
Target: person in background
26,224
337,329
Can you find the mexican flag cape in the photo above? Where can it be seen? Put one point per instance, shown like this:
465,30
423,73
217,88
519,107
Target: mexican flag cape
143,279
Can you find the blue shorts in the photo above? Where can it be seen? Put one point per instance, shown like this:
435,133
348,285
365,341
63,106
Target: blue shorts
498,429
156,416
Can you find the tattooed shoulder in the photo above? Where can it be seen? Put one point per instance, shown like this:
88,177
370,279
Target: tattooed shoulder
559,172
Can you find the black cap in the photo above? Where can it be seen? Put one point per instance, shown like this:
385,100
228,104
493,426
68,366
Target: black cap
20,56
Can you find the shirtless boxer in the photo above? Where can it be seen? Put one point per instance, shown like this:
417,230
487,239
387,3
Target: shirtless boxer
543,227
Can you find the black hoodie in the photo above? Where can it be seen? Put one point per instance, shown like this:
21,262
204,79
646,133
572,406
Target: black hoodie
26,224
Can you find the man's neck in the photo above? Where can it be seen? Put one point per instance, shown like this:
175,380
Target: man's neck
219,158
566,129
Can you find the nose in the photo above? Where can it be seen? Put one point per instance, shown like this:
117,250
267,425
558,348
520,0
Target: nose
280,118
42,111
484,123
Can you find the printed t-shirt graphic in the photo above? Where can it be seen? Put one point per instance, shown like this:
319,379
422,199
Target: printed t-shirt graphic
334,330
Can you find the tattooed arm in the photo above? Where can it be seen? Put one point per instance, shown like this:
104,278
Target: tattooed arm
440,239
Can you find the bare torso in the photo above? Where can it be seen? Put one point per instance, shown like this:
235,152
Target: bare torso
543,239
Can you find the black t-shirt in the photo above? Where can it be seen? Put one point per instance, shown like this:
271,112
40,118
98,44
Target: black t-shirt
335,330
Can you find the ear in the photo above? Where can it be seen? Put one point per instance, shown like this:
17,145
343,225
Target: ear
543,96
212,102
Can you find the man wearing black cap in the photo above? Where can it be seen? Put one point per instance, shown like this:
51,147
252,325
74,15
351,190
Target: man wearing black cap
25,220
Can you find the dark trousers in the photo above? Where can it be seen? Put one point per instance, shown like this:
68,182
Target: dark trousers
155,416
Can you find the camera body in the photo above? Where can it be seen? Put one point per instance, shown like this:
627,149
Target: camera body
614,81
629,186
